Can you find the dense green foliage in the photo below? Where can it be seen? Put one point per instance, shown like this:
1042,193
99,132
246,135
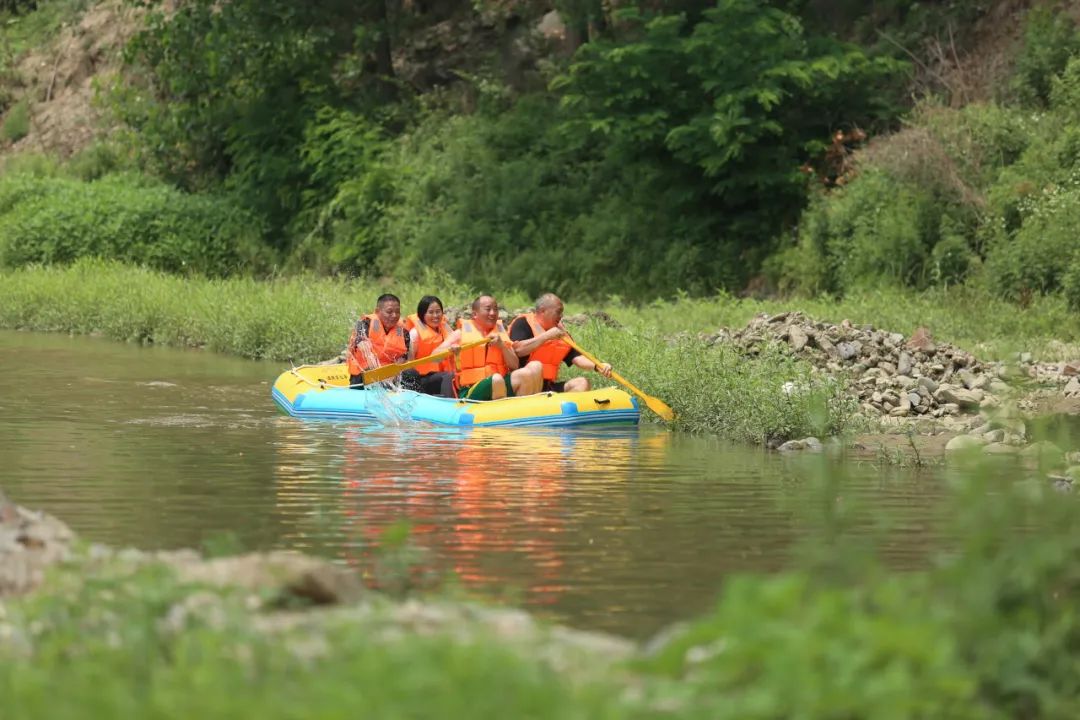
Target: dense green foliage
985,194
47,219
988,630
678,134
666,150
17,123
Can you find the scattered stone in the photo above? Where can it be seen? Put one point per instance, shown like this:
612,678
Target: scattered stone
959,396
1000,448
928,384
810,444
922,341
287,574
848,350
797,337
963,442
904,364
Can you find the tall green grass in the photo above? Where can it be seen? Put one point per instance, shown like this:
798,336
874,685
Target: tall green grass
298,319
717,390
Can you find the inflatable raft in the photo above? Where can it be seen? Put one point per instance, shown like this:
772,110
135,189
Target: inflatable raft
321,391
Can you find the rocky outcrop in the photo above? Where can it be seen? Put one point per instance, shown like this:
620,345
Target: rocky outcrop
893,375
30,542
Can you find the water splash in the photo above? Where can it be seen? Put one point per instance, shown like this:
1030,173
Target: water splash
387,401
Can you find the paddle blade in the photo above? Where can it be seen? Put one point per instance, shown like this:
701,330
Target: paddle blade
659,407
384,372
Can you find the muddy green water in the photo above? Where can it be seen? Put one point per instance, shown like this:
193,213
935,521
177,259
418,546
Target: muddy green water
617,530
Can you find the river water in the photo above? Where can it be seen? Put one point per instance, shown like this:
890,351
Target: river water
623,530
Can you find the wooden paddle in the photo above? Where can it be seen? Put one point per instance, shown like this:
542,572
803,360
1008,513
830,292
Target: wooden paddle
386,372
657,405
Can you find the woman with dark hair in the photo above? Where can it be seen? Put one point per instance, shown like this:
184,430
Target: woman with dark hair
427,331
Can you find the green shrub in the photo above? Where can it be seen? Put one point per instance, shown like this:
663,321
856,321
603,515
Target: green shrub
804,267
506,201
351,185
17,122
952,258
876,229
769,398
1070,284
98,160
1050,40
965,148
124,217
1035,257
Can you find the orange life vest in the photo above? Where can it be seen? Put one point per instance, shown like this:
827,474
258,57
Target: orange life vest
481,361
428,340
388,347
551,353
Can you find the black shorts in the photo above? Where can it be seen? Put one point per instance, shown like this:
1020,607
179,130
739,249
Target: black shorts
553,386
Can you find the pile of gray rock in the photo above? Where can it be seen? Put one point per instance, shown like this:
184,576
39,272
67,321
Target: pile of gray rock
893,375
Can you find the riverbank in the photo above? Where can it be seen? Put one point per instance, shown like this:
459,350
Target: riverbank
987,631
783,376
305,319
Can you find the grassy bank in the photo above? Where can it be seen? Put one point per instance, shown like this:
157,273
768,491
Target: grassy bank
989,631
308,319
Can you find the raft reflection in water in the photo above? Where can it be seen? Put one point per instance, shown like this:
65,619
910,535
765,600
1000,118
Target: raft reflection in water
493,508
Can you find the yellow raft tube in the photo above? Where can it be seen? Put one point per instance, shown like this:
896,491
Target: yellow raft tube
321,391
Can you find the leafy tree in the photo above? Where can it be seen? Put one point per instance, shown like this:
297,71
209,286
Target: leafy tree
230,89
727,108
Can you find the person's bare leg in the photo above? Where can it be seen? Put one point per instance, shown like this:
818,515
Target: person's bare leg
498,387
528,380
578,384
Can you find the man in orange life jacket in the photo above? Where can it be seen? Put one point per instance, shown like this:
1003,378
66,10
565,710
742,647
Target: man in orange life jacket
538,337
383,334
492,371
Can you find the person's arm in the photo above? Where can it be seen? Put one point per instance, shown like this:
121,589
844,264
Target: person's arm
452,340
512,360
411,342
525,343
586,364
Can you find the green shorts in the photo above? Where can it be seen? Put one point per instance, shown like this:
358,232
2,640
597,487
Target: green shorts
482,389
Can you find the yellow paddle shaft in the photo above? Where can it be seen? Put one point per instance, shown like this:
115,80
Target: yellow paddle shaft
385,372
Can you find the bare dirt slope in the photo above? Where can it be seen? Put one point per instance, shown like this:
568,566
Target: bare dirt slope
59,80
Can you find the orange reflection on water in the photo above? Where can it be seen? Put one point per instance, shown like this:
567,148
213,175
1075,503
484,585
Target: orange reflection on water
485,505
